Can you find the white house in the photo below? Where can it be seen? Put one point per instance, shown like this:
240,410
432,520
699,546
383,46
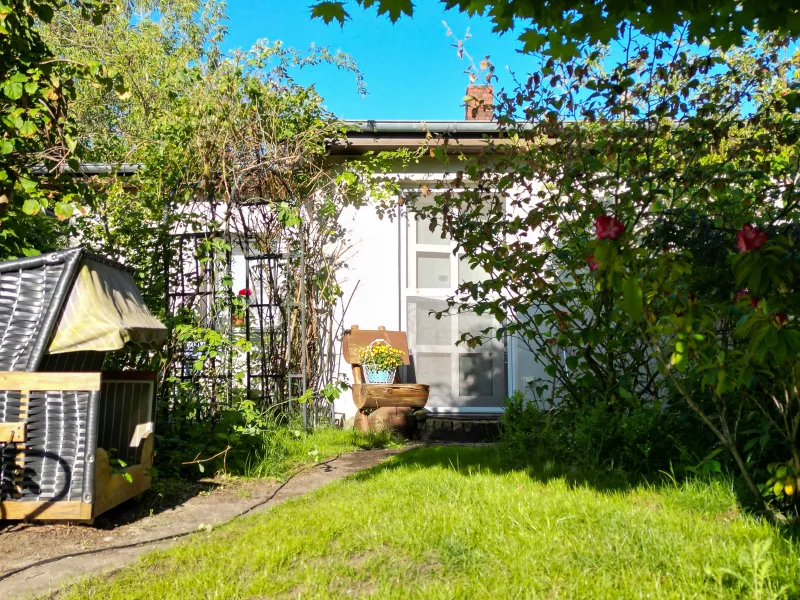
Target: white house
397,273
400,271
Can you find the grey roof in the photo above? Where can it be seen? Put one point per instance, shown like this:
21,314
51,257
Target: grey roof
366,135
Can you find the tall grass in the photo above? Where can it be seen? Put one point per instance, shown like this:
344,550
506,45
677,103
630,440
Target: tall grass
283,449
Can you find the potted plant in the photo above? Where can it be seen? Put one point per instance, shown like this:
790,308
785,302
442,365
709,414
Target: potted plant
380,361
239,306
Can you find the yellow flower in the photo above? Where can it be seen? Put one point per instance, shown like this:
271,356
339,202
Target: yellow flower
381,357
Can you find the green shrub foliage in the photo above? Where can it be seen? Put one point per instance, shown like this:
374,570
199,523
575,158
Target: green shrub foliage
637,222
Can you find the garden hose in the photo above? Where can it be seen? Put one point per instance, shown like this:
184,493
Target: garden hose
165,538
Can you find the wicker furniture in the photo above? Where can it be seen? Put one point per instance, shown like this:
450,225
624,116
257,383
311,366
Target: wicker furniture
63,422
388,406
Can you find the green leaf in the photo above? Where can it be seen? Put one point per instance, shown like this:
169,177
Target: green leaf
780,351
754,280
63,210
678,358
771,339
30,207
28,129
12,89
632,297
28,184
394,8
201,467
330,11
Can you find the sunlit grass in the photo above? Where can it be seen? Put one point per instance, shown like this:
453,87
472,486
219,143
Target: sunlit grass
450,522
284,449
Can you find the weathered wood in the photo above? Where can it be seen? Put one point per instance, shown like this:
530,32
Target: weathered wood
111,488
358,374
11,433
65,382
355,340
129,376
19,459
377,395
58,510
397,419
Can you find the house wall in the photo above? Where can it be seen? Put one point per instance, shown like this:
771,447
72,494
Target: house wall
369,281
374,279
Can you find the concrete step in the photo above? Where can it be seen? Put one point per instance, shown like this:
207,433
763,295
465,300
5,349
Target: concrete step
459,427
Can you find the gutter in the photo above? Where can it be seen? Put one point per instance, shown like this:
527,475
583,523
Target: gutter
91,169
463,137
439,127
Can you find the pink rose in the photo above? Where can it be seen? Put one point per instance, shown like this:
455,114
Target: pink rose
608,227
749,238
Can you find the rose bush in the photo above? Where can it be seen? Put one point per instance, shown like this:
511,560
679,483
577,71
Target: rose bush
640,239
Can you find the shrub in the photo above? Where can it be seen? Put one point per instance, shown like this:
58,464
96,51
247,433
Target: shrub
627,435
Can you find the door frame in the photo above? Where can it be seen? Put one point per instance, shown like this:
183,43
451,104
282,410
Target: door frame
408,268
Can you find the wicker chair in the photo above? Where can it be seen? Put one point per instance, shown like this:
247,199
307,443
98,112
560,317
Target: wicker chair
63,422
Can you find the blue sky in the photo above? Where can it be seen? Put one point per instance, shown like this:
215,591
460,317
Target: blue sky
410,69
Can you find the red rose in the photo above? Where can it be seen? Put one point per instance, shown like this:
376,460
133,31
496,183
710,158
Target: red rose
743,295
608,227
246,292
750,238
593,264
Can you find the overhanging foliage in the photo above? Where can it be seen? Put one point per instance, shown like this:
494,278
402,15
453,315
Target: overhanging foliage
563,27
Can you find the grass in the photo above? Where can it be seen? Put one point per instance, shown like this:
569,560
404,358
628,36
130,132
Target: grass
284,449
450,522
278,452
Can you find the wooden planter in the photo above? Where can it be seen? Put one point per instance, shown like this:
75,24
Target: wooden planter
398,419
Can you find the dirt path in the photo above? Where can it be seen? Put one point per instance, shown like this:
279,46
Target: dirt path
35,543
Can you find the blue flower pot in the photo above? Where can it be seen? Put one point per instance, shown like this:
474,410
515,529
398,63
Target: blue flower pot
386,376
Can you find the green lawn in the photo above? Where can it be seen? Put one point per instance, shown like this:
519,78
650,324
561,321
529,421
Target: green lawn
448,522
285,449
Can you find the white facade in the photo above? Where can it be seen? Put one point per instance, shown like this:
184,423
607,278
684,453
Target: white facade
396,273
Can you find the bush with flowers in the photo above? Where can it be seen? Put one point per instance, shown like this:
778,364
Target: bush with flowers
641,241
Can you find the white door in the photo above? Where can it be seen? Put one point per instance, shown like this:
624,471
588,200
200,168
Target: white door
462,379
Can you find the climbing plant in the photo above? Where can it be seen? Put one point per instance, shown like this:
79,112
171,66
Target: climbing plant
38,141
227,151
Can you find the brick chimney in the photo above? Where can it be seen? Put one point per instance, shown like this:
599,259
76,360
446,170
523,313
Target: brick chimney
479,106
